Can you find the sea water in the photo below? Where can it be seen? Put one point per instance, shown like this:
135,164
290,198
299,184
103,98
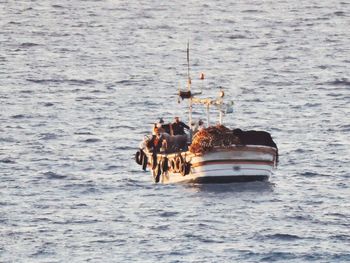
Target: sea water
81,83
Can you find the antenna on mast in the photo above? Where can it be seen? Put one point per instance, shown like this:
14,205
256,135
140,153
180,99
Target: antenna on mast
188,66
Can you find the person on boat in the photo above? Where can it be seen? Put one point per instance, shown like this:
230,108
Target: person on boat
160,123
154,144
198,126
178,127
154,129
167,127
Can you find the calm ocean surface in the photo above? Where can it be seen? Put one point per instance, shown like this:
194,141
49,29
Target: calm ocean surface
81,83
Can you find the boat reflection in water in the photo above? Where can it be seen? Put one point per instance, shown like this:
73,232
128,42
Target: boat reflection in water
248,187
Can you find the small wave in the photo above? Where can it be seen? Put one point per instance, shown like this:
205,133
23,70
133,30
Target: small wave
47,136
341,237
340,13
48,104
338,215
76,222
133,183
3,221
14,23
27,91
237,37
7,160
28,44
303,150
43,81
123,127
76,82
86,98
78,185
233,188
345,127
91,190
117,241
52,175
126,82
160,228
113,167
8,139
6,203
41,219
97,91
276,256
79,205
285,237
91,140
83,133
330,40
323,67
339,82
335,95
44,251
309,174
312,105
301,217
252,11
19,116
124,148
57,6
168,214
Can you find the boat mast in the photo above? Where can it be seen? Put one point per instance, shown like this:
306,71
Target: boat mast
218,102
189,88
208,114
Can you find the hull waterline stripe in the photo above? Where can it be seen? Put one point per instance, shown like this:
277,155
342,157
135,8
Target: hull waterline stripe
227,179
257,162
247,169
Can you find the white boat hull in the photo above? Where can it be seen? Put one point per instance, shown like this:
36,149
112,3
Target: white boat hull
222,165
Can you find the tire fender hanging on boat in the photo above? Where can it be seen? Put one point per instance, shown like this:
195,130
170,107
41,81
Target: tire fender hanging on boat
178,164
144,162
154,161
139,155
164,165
156,173
172,164
185,168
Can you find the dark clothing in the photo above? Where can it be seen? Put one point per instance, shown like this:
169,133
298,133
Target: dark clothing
178,128
154,144
166,128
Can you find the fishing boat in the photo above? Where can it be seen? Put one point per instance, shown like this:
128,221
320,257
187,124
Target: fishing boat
215,154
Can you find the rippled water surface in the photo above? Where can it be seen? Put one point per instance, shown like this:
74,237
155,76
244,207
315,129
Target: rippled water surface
81,82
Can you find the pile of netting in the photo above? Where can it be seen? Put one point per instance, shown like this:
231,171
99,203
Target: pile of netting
205,140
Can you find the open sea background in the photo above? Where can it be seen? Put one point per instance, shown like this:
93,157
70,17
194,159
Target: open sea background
81,83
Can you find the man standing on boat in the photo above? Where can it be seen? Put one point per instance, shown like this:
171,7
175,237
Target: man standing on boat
166,127
198,126
179,127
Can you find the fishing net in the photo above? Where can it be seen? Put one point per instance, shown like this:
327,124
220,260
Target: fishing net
205,140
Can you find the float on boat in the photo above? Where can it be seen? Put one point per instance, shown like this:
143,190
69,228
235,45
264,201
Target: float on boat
215,154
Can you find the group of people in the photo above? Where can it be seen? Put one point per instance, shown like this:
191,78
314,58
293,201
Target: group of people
171,136
175,128
171,133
